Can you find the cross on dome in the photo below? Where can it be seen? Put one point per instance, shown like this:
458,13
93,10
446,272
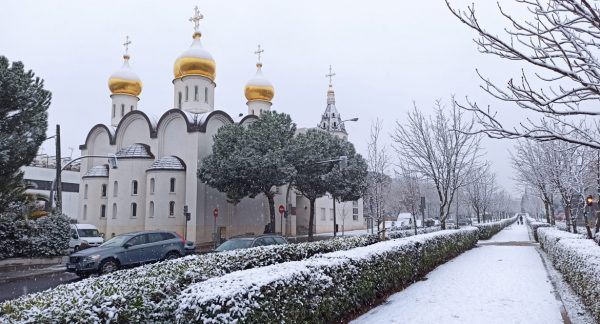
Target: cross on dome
258,52
126,44
196,18
330,75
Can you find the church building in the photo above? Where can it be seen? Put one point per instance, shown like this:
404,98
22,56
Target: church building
156,174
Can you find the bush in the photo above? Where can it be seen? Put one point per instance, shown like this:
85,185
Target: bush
578,260
324,288
43,237
411,232
487,230
533,225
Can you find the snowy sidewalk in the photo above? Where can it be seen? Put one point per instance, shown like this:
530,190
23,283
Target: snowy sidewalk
501,281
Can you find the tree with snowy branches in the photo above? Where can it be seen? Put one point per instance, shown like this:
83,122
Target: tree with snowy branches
24,107
378,180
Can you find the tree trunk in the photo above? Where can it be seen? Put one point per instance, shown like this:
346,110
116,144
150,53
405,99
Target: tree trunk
271,211
311,219
552,217
414,217
597,222
547,211
587,223
567,210
442,219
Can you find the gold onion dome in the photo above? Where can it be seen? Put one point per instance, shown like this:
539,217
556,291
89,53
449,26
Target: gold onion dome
195,61
259,88
125,81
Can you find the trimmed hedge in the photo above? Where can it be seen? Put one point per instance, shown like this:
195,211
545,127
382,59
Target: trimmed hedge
578,260
411,232
322,289
487,230
533,225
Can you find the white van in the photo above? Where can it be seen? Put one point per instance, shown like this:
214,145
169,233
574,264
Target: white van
84,235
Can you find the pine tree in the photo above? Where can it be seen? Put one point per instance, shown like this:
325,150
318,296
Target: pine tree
23,123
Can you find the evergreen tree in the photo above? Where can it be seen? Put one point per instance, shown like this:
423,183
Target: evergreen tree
249,161
23,123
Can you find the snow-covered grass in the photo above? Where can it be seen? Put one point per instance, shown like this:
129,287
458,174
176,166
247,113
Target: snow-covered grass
533,225
487,230
148,293
324,288
578,260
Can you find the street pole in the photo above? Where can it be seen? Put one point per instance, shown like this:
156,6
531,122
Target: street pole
334,220
457,208
58,173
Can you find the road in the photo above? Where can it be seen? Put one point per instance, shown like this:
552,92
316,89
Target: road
20,287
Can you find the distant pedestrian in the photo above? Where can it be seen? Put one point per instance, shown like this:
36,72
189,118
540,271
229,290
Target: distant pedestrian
521,219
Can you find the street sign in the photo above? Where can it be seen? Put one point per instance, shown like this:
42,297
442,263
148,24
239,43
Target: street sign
216,212
281,209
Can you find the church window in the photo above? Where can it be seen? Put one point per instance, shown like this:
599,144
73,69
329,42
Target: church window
114,212
114,109
179,101
84,211
330,213
122,110
205,94
172,185
151,186
334,124
260,111
151,210
195,93
355,210
103,191
102,211
187,93
133,209
134,187
333,115
131,108
171,209
115,189
323,214
252,111
85,191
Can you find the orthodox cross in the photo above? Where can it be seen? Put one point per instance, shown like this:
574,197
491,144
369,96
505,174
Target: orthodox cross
196,18
258,52
330,75
126,44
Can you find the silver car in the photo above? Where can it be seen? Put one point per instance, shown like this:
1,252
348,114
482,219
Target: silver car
127,250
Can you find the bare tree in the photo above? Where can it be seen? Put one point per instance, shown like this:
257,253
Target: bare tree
559,41
480,190
410,194
439,149
378,182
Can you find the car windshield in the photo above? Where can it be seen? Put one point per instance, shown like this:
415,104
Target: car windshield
117,241
234,245
88,232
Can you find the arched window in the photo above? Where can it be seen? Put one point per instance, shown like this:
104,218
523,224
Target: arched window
333,115
115,189
187,93
172,208
114,212
103,191
122,110
179,101
102,211
131,108
134,187
151,186
133,209
195,93
85,191
334,124
205,94
172,185
151,210
252,111
84,211
114,110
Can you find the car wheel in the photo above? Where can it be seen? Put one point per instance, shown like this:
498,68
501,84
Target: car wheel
108,266
172,255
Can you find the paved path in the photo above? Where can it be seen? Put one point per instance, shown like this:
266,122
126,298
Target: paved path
503,280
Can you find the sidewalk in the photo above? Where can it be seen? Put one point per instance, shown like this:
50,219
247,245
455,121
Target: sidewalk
503,280
21,268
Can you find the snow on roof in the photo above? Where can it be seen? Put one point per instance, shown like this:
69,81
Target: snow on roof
168,163
136,150
97,171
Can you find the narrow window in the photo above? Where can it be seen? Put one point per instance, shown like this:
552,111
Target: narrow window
85,191
102,211
355,210
187,92
172,185
114,110
114,212
115,189
133,209
172,208
134,187
205,94
103,191
179,102
151,210
334,124
195,93
84,211
323,212
151,186
252,111
122,110
333,115
131,108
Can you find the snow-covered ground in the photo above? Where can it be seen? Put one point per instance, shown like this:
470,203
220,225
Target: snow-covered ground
490,284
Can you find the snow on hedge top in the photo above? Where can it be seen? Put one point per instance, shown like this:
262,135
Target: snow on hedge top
558,234
168,163
136,150
97,171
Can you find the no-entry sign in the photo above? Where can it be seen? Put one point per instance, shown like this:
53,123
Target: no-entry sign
216,212
281,209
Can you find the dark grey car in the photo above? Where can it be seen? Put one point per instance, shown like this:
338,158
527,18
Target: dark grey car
127,250
244,242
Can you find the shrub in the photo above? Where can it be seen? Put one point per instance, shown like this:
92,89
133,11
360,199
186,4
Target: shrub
324,288
533,225
487,230
578,260
411,232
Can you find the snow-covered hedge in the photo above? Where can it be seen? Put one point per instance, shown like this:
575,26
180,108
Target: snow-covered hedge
487,230
533,225
323,289
148,293
411,232
578,260
45,236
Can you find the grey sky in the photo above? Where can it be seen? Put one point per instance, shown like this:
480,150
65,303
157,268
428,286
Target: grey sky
385,53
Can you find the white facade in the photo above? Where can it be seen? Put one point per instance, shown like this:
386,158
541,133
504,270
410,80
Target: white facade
39,181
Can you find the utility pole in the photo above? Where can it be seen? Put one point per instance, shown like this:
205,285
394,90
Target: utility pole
58,172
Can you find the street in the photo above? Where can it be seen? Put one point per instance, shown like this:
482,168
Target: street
24,286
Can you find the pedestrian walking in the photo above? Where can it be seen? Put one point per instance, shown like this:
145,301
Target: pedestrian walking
520,219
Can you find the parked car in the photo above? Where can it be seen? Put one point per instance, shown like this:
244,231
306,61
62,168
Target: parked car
84,236
245,242
190,247
127,250
464,222
430,222
450,224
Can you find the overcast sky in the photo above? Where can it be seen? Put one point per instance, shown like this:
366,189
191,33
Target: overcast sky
386,54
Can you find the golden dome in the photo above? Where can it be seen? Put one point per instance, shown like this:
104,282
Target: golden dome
125,81
259,88
195,61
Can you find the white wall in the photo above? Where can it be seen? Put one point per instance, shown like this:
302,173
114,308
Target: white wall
195,106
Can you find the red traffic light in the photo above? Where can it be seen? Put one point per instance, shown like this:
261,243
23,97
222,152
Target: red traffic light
589,200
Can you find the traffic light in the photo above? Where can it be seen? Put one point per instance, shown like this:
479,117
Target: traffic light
589,200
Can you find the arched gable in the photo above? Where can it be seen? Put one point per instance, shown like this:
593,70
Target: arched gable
135,117
97,130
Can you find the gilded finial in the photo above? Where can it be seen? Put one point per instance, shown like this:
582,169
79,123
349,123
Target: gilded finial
126,45
258,53
330,75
